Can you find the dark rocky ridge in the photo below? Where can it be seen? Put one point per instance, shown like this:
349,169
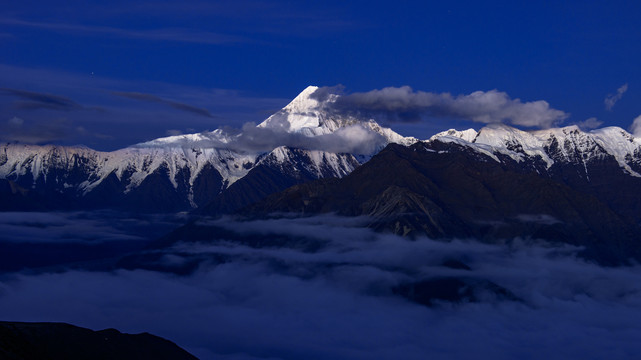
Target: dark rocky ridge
35,341
269,177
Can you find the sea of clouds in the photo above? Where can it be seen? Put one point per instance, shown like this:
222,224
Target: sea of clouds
335,300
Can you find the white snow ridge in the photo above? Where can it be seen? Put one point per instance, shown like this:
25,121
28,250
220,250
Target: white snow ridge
565,145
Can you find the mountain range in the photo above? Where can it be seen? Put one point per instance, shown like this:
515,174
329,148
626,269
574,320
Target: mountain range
561,184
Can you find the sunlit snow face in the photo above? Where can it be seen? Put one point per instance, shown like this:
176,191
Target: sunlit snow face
327,295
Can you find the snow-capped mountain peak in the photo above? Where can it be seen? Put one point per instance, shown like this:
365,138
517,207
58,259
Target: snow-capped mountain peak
299,114
215,139
309,116
468,135
304,101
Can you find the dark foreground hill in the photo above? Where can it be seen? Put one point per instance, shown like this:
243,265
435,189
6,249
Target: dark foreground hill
53,341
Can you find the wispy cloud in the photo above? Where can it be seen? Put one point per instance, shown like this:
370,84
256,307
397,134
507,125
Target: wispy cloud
36,131
266,17
187,35
591,123
156,99
59,228
612,99
635,128
31,100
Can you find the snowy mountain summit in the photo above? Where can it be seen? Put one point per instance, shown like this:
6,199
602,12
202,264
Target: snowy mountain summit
308,115
302,114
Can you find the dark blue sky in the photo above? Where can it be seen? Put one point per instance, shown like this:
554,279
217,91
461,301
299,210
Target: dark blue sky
112,73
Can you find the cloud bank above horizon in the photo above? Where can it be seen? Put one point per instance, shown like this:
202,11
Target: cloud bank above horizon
404,104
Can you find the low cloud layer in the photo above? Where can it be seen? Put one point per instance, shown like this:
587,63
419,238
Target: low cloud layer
174,104
40,239
355,139
83,227
612,99
52,227
334,302
406,104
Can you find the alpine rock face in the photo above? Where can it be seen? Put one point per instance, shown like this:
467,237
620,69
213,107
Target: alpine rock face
186,171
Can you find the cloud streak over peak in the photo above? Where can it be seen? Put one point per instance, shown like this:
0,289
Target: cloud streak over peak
156,99
35,100
407,105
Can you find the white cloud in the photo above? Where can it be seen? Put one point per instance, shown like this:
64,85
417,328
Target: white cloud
354,139
612,99
591,123
173,132
636,126
405,104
